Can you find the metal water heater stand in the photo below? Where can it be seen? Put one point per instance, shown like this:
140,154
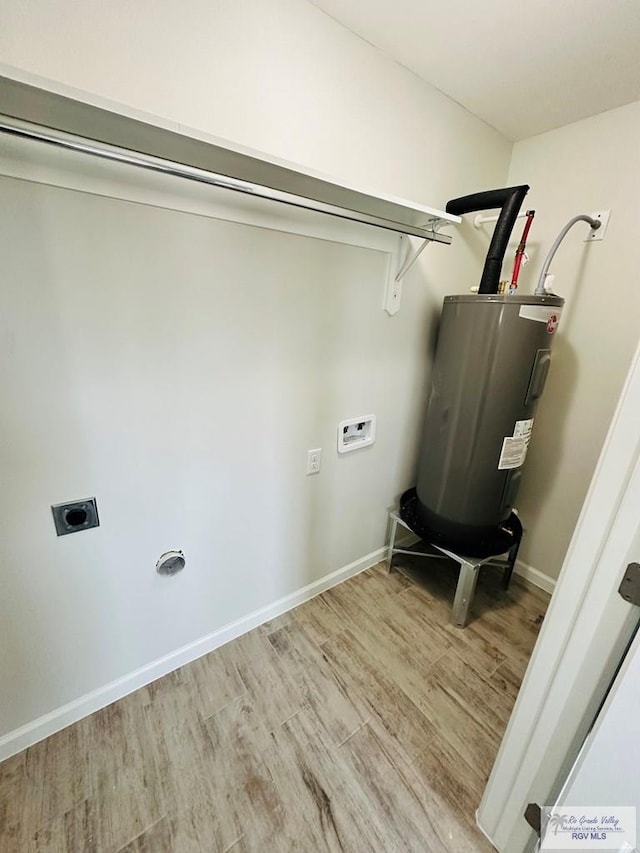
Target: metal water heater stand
469,566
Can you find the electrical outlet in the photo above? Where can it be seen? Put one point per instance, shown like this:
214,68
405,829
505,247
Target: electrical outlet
75,516
598,233
314,460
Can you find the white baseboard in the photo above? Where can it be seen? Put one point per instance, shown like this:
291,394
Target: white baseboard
19,739
534,576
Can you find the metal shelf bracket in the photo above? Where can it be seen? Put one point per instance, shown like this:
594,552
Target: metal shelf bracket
393,289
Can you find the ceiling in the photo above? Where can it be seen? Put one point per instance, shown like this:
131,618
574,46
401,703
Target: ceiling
522,67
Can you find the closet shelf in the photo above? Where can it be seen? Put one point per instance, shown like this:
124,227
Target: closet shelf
36,109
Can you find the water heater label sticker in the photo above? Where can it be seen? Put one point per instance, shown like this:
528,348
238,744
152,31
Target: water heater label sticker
513,453
523,429
540,314
514,447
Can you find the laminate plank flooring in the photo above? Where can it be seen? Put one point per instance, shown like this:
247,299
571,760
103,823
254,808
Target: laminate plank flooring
360,721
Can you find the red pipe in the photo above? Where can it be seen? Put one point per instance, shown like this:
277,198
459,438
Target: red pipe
520,251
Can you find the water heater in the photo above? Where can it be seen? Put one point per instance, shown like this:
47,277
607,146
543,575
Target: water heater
492,359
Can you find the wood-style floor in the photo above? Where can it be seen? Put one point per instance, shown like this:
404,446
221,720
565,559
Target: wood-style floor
361,721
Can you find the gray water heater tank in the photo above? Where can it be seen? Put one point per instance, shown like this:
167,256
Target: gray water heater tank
492,359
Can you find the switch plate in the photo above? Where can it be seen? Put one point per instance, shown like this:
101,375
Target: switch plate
599,233
314,460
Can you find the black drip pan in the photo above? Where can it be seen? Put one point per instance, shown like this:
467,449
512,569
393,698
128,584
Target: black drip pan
498,541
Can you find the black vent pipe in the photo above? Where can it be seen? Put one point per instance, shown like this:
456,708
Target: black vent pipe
509,200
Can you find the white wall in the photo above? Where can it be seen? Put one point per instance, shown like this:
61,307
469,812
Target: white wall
281,77
178,367
587,166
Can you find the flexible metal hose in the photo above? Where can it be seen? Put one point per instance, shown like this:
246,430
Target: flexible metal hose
583,217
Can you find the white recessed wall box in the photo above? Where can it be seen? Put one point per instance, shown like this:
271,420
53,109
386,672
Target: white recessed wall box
355,433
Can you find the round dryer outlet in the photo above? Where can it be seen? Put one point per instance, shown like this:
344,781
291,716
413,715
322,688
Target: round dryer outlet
170,563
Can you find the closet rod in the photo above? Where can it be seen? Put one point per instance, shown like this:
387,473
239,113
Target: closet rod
27,130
